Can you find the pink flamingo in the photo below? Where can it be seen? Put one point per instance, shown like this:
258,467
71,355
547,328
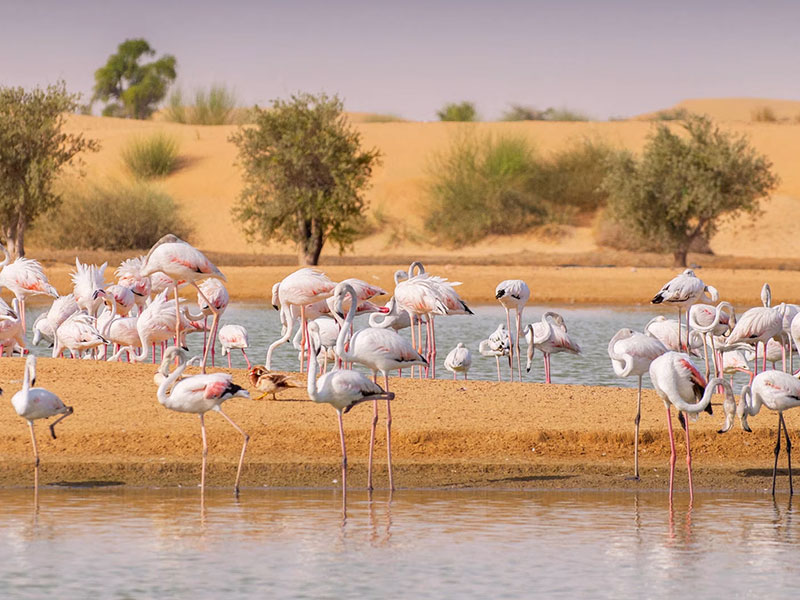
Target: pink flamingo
514,293
684,290
342,389
183,262
156,324
778,391
24,277
233,336
301,288
217,296
129,275
677,382
758,324
458,360
710,321
32,403
77,334
199,394
11,333
631,353
381,350
549,339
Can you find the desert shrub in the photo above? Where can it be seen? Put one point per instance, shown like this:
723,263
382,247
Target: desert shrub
216,106
112,216
458,111
382,118
480,186
152,156
764,114
519,112
564,114
672,114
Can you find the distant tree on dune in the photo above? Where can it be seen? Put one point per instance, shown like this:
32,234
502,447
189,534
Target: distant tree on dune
135,88
33,151
304,175
458,111
683,187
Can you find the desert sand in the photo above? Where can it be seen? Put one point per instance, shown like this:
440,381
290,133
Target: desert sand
444,434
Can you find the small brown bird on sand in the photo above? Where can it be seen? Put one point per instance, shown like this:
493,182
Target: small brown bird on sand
268,382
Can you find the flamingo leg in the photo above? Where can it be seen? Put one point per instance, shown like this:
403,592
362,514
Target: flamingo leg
497,360
777,451
705,357
205,455
247,360
511,345
35,457
672,455
214,323
788,454
680,343
389,433
413,340
344,463
516,346
177,322
372,442
688,457
229,359
433,347
244,448
636,426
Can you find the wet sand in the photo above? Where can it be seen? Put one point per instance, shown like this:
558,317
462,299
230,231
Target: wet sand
445,434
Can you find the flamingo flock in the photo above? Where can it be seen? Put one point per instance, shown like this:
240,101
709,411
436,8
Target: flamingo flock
143,312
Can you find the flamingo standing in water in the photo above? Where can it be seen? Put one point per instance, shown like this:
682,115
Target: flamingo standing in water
183,262
549,339
514,293
710,321
778,391
497,344
24,277
758,324
631,353
32,403
342,389
459,360
381,350
678,382
684,290
199,394
233,337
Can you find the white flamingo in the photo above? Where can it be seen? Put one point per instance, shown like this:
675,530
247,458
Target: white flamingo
24,277
233,337
214,294
78,334
12,335
88,284
631,353
198,394
129,275
514,293
497,344
667,332
550,337
33,403
458,360
684,290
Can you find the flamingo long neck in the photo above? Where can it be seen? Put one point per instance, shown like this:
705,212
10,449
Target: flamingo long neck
348,322
625,359
169,381
706,399
113,316
418,266
750,404
313,365
383,320
548,330
27,377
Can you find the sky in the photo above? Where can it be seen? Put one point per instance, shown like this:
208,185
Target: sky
603,58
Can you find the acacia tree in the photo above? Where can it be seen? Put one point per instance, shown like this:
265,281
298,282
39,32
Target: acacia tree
33,151
304,175
683,187
136,87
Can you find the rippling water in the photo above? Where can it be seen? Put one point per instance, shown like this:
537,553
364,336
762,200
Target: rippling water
591,327
122,543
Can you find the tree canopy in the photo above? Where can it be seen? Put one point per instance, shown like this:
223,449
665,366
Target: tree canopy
135,88
304,175
458,111
33,150
684,186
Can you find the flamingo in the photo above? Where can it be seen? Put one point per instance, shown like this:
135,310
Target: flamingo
497,344
789,312
123,298
758,324
328,332
549,340
199,394
120,331
677,382
233,336
459,360
77,334
88,284
778,391
156,324
269,383
684,290
32,403
60,310
631,353
394,318
12,335
514,293
42,330
129,275
216,294
710,321
301,288
342,389
381,350
24,277
667,332
182,262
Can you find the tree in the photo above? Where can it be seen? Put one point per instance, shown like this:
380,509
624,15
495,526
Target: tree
683,187
137,88
458,111
304,175
33,151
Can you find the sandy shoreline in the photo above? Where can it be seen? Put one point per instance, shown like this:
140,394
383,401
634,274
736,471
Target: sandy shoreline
445,434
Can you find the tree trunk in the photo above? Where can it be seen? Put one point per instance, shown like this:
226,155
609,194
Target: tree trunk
679,257
310,247
15,239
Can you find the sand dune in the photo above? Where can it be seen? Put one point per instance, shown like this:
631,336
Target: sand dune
208,184
736,109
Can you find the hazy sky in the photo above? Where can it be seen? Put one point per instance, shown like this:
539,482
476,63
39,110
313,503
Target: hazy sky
606,58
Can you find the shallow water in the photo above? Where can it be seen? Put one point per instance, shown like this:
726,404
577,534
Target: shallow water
132,543
590,327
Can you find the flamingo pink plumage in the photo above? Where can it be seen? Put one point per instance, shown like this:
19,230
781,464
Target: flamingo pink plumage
24,277
233,336
549,339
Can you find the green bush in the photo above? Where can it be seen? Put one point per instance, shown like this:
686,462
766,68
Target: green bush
216,106
764,114
672,114
518,112
153,156
382,118
112,216
458,111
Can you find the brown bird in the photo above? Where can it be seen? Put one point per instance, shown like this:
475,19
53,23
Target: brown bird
268,382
